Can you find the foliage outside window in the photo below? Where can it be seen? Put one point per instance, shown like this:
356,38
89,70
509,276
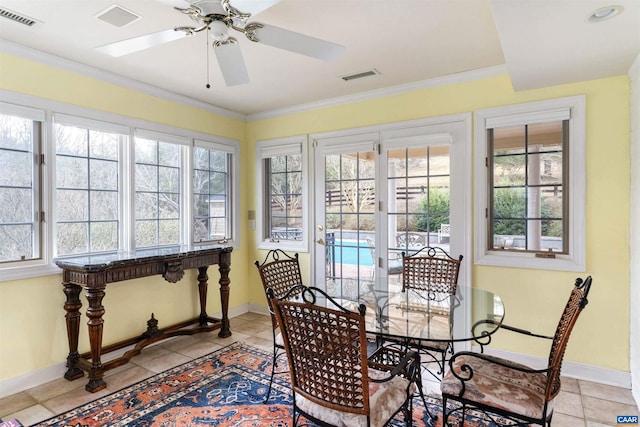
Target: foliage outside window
20,220
283,178
211,192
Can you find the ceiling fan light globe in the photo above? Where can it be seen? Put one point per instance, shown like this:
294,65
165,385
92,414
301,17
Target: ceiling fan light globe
219,31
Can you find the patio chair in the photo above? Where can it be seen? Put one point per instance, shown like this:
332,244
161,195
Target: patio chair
519,394
333,382
280,272
431,275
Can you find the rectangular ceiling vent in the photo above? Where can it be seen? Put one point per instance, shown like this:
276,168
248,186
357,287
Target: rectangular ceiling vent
371,72
118,16
16,17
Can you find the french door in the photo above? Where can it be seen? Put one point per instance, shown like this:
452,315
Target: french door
386,191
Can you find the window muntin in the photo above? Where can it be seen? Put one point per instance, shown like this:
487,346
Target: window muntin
20,198
157,193
527,174
87,189
211,194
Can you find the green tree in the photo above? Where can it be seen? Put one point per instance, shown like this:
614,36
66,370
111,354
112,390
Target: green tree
435,209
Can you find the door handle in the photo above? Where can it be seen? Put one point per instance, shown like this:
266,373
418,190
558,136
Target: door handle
320,241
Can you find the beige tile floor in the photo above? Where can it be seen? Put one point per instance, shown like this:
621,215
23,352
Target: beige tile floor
580,403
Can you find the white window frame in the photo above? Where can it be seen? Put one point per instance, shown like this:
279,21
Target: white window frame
520,114
264,150
47,109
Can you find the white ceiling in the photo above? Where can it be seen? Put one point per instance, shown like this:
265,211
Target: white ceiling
541,42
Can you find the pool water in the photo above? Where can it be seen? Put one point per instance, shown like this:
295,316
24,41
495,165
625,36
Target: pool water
350,251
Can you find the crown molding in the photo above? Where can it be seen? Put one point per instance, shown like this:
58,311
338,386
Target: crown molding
463,77
25,52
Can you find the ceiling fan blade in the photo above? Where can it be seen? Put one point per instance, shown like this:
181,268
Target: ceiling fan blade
298,43
125,47
232,64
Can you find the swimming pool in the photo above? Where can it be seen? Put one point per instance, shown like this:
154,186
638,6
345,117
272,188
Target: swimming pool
350,251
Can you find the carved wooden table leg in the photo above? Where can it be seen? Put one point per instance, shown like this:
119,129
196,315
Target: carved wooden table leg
72,307
95,311
202,291
224,267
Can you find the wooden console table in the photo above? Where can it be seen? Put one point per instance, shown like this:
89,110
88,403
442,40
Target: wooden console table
93,273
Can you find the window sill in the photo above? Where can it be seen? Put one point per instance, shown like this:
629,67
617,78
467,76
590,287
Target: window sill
529,260
28,271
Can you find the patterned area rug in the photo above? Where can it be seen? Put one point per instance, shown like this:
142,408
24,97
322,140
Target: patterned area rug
224,388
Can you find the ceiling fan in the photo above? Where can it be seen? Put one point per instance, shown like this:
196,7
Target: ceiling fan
218,17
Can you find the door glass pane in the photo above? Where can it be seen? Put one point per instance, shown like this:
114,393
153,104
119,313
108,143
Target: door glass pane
418,200
349,222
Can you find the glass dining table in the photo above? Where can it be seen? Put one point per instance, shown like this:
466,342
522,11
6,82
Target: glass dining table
413,317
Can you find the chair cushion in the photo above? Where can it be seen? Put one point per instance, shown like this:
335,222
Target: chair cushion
279,342
384,399
498,386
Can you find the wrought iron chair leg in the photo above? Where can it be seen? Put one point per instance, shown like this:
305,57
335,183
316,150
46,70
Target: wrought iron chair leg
424,400
274,365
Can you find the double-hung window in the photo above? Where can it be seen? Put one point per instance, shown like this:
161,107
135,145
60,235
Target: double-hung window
530,185
282,208
21,216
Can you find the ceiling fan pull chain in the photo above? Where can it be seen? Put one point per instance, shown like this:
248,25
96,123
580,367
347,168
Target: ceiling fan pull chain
206,44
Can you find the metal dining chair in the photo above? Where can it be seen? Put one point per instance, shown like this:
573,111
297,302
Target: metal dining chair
431,274
280,272
333,382
512,391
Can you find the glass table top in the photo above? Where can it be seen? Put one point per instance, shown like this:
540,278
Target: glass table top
416,315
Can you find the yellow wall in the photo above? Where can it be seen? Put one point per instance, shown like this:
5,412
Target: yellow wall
32,325
32,328
534,299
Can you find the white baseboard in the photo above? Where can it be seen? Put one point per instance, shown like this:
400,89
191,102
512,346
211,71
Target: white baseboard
41,376
570,369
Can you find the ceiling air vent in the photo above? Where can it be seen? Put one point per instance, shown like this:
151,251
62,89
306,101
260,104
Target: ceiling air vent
371,72
5,13
118,16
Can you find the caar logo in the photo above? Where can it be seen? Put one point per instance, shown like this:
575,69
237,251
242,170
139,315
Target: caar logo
627,419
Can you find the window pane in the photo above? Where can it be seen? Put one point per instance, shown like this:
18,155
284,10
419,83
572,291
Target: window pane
72,205
104,175
285,186
72,238
528,179
72,172
17,168
104,236
87,160
19,202
16,242
157,192
211,184
104,205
